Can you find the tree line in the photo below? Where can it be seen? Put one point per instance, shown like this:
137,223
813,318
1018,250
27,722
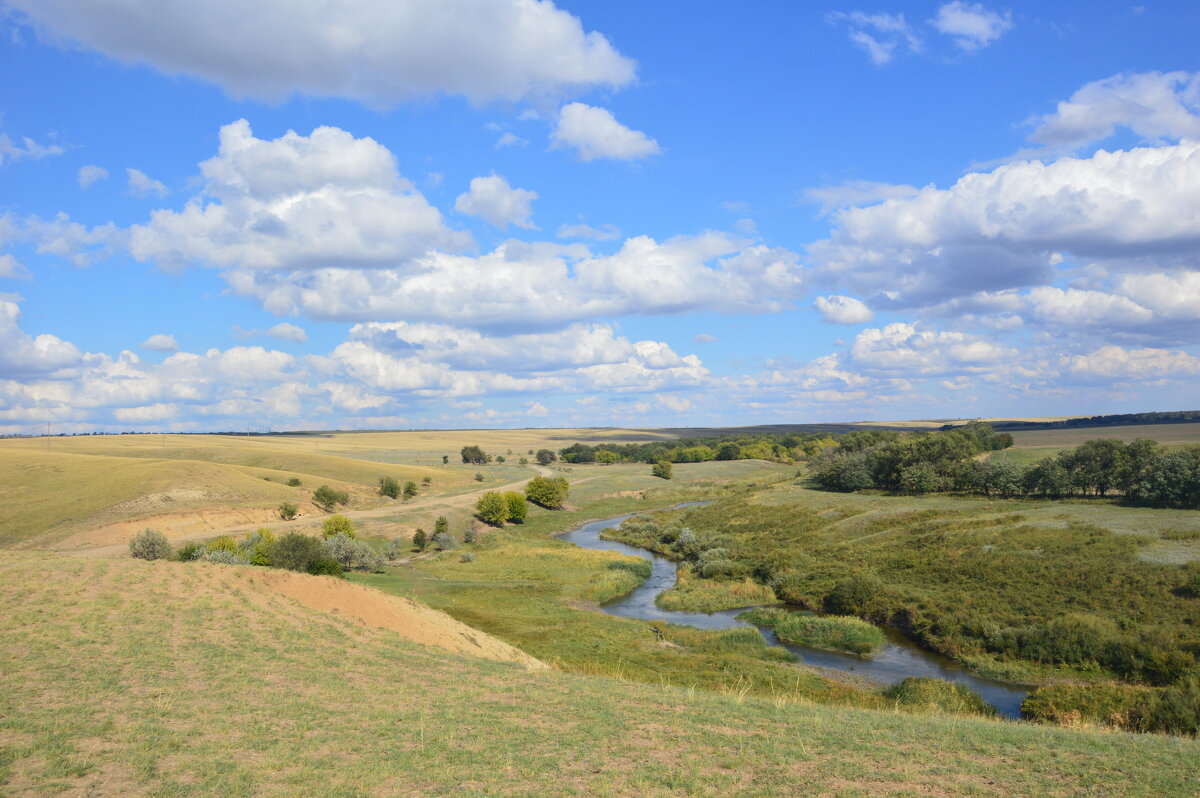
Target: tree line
1141,472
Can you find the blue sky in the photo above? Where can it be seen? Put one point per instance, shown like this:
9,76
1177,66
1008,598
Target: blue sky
463,213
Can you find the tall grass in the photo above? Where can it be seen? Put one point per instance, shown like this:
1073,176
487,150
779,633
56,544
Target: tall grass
832,632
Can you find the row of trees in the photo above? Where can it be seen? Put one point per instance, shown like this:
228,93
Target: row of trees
1143,472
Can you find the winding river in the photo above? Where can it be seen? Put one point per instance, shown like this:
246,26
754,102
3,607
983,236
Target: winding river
899,658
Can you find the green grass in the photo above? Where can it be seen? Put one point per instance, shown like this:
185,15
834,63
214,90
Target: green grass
958,572
166,679
692,594
831,632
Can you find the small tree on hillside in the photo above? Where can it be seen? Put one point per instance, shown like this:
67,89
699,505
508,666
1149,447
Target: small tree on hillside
288,511
326,497
441,525
545,457
663,469
388,486
492,508
518,506
549,492
338,525
410,490
473,455
445,459
150,544
418,540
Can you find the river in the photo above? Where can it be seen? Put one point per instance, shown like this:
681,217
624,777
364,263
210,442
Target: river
898,659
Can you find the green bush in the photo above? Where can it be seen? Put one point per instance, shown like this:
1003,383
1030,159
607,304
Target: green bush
305,554
150,544
294,482
224,557
851,596
327,497
337,525
549,492
288,511
1177,710
410,490
426,480
222,543
388,486
471,535
492,508
419,540
190,551
1124,706
662,469
257,546
466,556
937,695
443,541
518,506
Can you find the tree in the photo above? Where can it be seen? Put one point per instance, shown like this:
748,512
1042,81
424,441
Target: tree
305,554
352,553
606,457
549,492
418,540
445,459
149,544
388,486
478,477
441,525
500,459
473,455
288,511
545,457
729,451
492,508
919,478
326,497
410,490
662,469
338,525
442,541
518,506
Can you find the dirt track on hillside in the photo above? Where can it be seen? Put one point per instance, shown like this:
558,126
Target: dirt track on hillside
113,540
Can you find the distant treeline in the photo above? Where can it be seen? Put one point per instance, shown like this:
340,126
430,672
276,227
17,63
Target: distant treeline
780,448
1142,472
1122,420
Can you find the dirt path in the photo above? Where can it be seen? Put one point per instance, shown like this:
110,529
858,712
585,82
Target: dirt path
429,502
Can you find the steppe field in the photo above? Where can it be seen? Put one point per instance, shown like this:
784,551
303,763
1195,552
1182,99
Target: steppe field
497,674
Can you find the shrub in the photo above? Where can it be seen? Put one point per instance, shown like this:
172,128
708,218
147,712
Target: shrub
473,455
410,490
150,544
662,469
338,525
518,506
305,554
224,557
327,497
492,508
352,553
1177,710
466,556
1125,706
549,492
478,477
395,549
471,535
256,547
426,480
1192,586
545,457
442,541
388,486
222,543
938,695
288,511
686,542
441,525
294,482
418,540
190,551
852,595
819,631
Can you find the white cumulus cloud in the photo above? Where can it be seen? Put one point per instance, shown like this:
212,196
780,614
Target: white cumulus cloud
843,309
142,185
595,133
493,199
160,343
970,24
91,174
375,51
286,331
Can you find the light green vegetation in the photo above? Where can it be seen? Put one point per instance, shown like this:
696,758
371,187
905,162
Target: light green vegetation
173,679
832,632
693,594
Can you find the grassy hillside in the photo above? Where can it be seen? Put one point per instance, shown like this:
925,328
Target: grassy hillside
137,678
